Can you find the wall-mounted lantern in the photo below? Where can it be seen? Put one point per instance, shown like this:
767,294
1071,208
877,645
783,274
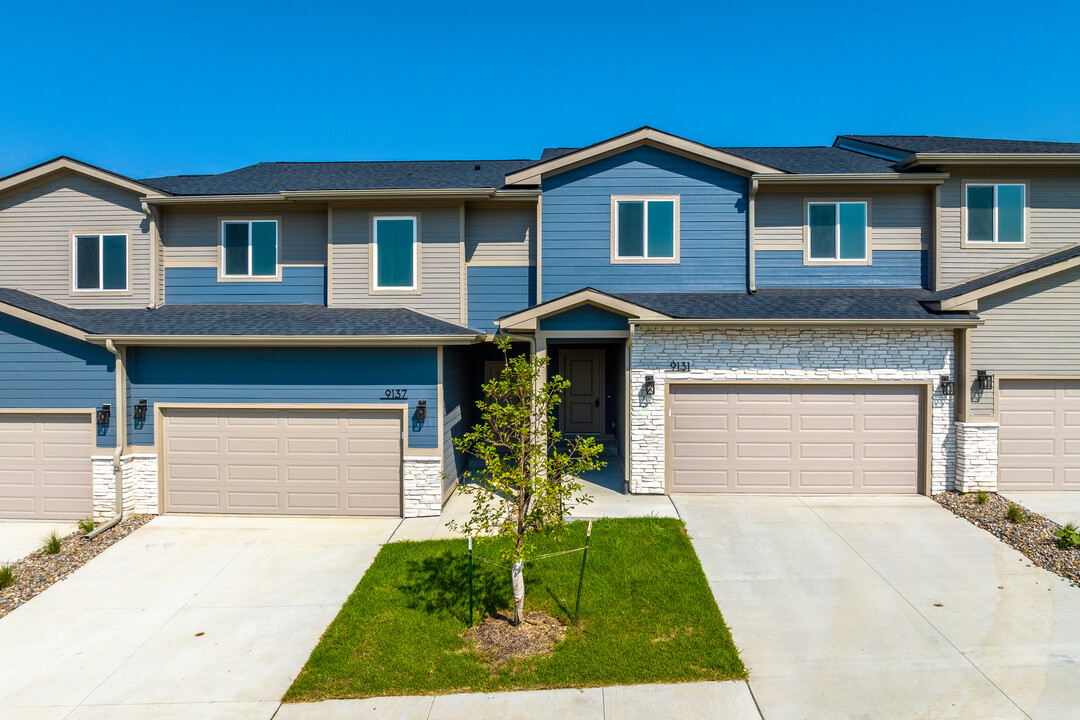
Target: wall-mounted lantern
985,380
948,387
140,409
421,411
650,385
104,414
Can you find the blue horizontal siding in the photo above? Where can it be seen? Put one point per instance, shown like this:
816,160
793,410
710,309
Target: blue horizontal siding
40,368
576,237
285,375
495,291
198,285
585,317
890,269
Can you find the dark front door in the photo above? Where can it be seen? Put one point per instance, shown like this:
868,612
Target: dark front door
583,405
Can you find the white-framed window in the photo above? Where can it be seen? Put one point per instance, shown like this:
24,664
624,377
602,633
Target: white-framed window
995,212
99,262
394,252
249,248
837,231
645,228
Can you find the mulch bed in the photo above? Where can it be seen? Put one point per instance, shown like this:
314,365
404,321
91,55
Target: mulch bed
38,570
1034,538
500,641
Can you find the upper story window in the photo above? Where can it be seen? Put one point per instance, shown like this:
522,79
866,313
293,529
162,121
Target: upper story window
249,249
644,229
995,212
394,252
100,262
837,231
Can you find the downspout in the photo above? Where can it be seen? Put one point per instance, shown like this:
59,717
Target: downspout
751,269
121,436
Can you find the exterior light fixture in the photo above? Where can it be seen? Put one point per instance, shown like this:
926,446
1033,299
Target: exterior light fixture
104,414
948,387
421,410
986,380
140,409
650,385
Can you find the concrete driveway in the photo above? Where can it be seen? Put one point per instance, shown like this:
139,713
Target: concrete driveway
19,538
207,617
885,607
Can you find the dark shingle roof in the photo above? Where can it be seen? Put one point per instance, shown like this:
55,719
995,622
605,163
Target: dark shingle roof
223,320
945,144
818,304
1058,256
273,177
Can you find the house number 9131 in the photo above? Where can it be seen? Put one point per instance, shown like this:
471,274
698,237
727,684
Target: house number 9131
680,365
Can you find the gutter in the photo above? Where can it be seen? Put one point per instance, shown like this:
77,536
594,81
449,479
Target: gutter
121,436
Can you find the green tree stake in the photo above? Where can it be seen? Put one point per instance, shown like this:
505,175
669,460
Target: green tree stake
581,580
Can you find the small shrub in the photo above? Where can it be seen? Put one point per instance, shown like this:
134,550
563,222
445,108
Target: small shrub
1016,514
7,577
982,497
86,525
1068,536
52,543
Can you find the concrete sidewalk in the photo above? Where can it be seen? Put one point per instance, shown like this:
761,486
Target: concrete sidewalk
688,701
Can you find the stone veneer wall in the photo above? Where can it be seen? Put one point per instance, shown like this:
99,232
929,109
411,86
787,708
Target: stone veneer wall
787,356
422,491
976,457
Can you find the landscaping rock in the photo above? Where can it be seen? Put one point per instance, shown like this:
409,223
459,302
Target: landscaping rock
1034,537
37,571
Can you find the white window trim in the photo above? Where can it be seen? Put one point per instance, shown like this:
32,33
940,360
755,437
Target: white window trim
226,277
617,259
867,258
395,289
100,290
965,242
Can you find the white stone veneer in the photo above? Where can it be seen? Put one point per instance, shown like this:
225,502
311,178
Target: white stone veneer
423,486
976,457
787,356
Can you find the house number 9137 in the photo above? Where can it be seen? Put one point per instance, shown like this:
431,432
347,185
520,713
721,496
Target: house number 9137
680,365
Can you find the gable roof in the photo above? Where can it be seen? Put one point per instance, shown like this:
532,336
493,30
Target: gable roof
63,163
1000,280
276,177
558,161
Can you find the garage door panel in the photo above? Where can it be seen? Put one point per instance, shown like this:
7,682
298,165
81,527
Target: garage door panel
45,468
1039,434
812,438
284,462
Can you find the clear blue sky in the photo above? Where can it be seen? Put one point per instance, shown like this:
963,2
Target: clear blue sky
193,87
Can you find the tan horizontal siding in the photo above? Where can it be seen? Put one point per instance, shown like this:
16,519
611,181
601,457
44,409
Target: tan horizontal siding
500,235
440,261
899,220
1054,200
1032,330
36,224
191,236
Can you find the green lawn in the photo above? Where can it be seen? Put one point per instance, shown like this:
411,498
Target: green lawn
647,616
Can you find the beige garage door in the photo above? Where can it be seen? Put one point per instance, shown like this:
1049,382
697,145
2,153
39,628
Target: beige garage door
45,466
275,462
1040,435
810,439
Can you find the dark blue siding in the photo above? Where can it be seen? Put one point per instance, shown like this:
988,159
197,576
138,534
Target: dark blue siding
458,400
495,291
40,368
890,269
201,285
285,375
585,317
576,237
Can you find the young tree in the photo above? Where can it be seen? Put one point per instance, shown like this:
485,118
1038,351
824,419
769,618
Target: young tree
529,481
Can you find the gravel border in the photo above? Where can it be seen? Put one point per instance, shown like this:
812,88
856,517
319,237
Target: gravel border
38,570
1034,538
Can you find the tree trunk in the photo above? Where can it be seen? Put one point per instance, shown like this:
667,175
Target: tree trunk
519,591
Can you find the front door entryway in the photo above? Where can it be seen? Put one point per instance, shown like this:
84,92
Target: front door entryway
583,406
